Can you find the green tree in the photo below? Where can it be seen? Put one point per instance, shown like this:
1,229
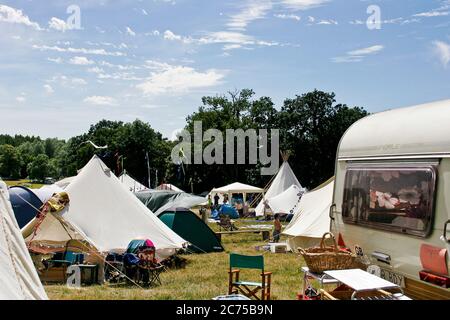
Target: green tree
311,127
40,168
10,161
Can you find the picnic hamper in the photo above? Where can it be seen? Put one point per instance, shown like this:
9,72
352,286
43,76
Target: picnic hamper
322,258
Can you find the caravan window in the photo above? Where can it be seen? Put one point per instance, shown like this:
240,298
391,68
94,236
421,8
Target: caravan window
395,198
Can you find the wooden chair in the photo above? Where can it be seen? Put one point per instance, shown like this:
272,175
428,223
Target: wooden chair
248,288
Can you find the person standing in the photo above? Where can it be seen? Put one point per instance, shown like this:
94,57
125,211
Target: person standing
216,201
276,228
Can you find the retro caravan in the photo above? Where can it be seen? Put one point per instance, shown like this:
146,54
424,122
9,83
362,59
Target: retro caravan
391,198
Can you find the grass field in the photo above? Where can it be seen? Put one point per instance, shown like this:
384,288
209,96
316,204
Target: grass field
23,182
204,277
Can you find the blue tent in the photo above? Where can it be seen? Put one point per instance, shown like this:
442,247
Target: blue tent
226,209
25,204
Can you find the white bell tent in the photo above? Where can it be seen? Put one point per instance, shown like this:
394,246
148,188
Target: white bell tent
284,179
286,202
311,220
103,212
131,183
18,277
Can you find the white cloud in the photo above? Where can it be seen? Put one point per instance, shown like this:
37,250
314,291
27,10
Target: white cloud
366,51
79,82
227,37
48,89
144,12
168,78
58,24
21,99
287,16
12,15
102,52
231,46
100,100
55,60
169,35
311,19
430,14
82,61
252,10
130,32
327,22
359,54
442,51
96,70
68,81
303,4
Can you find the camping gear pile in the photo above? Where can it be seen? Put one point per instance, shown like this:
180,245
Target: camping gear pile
323,258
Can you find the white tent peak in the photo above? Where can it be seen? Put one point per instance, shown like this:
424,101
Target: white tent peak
19,279
284,179
131,183
237,187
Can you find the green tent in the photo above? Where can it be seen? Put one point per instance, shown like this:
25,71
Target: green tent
190,227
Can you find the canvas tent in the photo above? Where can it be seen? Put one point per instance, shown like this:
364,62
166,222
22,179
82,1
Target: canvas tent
63,183
25,204
130,183
18,277
286,202
234,188
311,220
282,181
190,227
161,200
103,213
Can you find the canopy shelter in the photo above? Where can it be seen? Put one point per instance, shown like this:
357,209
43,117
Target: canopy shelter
234,188
18,276
25,204
161,200
190,227
168,186
284,179
104,213
286,202
132,184
311,220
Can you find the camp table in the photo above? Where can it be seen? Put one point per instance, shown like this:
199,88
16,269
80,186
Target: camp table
93,273
322,278
362,282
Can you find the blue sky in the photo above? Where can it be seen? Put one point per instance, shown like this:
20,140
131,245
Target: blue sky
155,59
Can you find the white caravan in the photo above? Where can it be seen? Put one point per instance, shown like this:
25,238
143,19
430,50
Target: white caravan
392,196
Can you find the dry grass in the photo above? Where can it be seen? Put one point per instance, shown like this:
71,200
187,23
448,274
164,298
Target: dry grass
204,277
23,182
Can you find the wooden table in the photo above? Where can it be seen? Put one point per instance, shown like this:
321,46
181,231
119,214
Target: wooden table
362,282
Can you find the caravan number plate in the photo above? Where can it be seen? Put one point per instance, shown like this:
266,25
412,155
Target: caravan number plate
393,277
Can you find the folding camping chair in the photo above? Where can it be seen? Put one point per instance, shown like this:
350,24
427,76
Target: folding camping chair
248,288
148,268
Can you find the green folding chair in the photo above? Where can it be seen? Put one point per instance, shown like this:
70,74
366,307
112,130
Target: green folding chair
248,288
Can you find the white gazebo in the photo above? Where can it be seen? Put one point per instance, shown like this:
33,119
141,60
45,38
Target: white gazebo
237,187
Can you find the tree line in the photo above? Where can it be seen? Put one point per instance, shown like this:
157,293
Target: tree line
310,125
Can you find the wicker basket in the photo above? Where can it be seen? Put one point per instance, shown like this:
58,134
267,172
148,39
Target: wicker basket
322,258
